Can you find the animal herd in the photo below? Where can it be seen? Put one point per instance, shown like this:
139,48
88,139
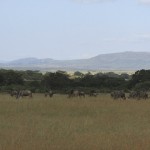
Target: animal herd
21,93
132,95
77,93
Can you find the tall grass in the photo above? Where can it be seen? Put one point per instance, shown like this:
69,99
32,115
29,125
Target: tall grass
60,123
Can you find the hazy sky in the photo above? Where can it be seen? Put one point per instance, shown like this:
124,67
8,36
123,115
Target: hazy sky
69,29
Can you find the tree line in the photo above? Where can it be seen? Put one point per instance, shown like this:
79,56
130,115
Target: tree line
62,81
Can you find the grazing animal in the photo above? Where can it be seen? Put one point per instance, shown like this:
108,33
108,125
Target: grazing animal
13,93
81,94
138,95
73,93
142,95
50,93
133,94
93,93
24,93
118,95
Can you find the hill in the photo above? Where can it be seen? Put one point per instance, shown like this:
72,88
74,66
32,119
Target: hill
112,61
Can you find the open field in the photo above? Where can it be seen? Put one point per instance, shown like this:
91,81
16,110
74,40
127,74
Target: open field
74,124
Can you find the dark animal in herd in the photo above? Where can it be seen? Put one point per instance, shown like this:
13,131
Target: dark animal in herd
118,95
50,93
138,95
132,95
81,94
73,93
24,93
76,93
93,93
14,93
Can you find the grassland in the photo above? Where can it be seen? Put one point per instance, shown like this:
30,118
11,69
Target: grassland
74,124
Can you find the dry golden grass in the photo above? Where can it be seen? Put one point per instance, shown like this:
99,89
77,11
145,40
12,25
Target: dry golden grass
74,124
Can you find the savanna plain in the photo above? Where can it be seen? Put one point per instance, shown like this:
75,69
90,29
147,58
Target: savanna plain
62,123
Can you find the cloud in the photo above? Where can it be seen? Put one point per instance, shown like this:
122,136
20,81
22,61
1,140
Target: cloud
144,1
92,1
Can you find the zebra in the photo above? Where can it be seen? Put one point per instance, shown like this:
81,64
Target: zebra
118,94
74,93
50,93
24,93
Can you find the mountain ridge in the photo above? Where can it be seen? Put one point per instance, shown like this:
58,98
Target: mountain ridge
113,61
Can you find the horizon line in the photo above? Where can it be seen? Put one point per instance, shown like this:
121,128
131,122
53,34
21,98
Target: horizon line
32,57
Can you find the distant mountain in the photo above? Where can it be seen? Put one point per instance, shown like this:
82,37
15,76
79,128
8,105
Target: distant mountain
113,61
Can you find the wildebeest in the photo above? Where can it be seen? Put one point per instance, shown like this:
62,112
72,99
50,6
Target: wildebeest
50,93
93,93
133,94
81,94
13,93
118,94
143,95
73,93
76,93
138,95
24,93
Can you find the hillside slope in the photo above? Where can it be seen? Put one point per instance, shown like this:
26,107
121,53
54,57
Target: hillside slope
113,61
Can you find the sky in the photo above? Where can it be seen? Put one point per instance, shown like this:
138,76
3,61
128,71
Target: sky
72,29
